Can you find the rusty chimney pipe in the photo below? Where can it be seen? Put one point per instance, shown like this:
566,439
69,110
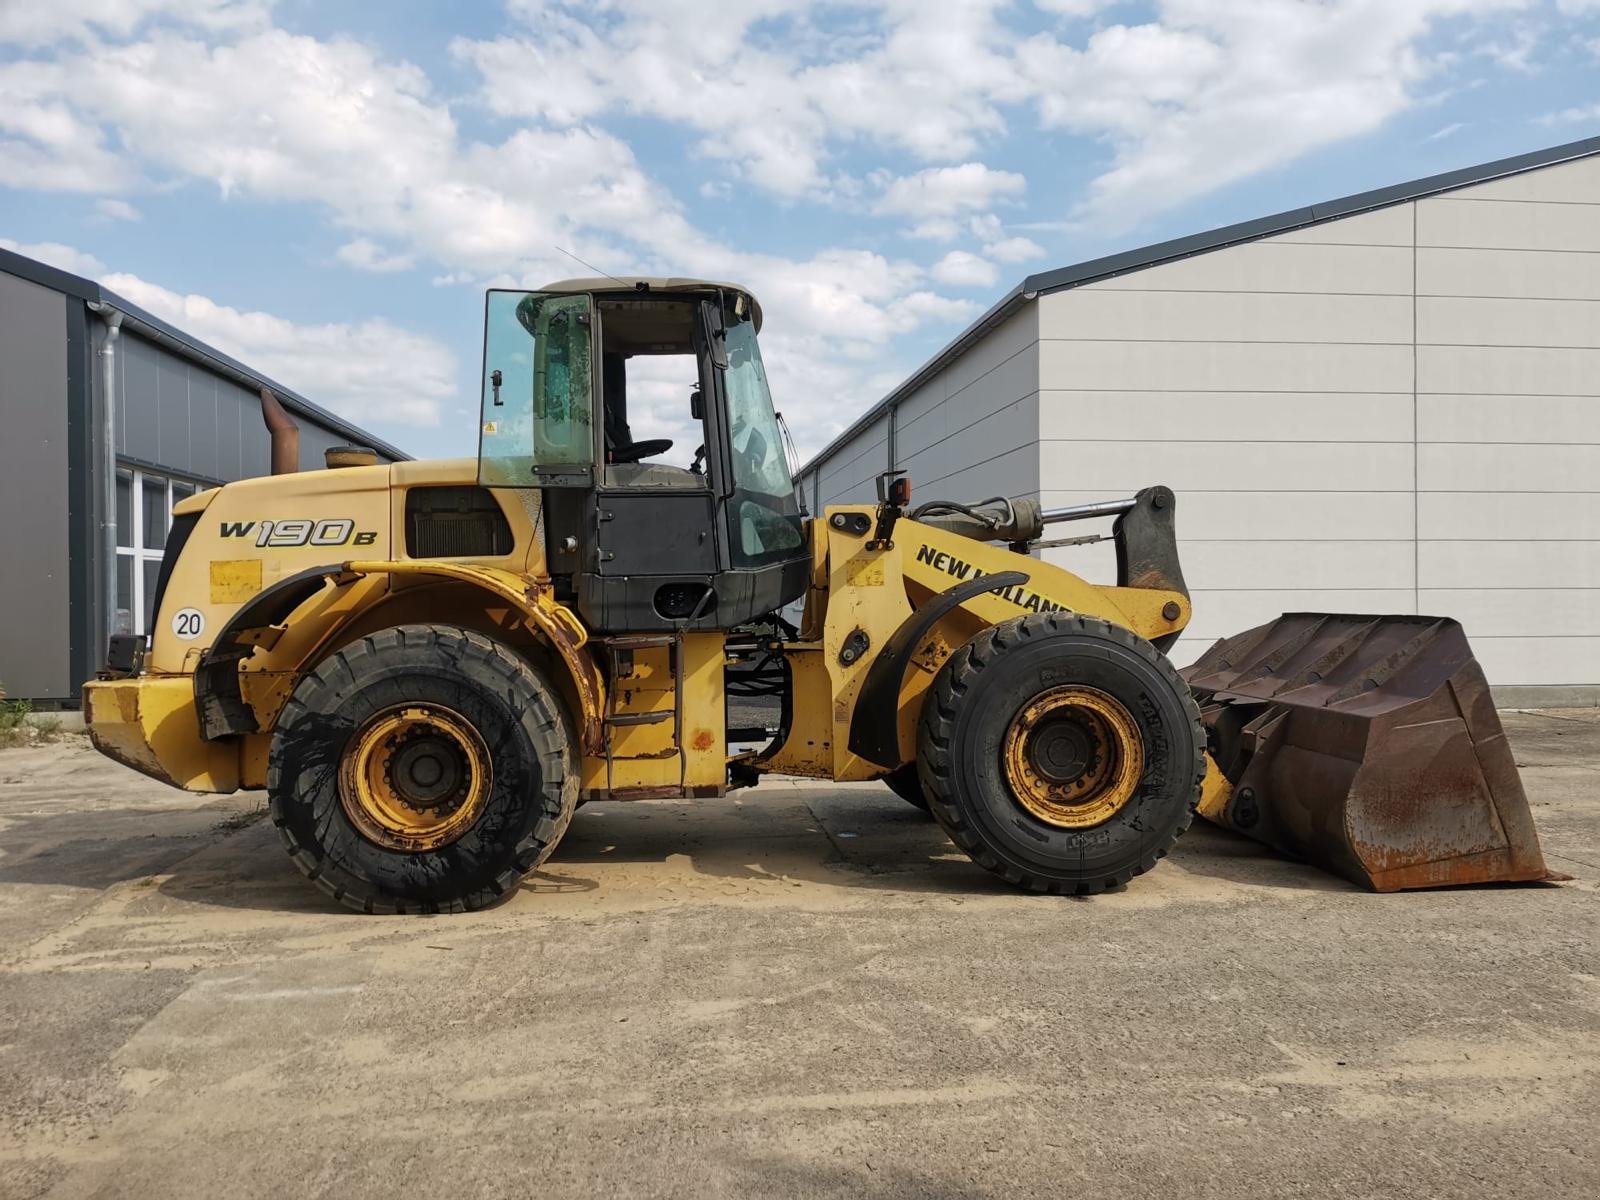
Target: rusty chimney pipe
285,435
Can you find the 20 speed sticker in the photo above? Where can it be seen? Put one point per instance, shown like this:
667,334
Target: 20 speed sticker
188,623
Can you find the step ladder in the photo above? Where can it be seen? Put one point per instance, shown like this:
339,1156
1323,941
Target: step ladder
619,652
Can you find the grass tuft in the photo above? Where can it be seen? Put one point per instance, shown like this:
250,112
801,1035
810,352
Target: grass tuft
20,727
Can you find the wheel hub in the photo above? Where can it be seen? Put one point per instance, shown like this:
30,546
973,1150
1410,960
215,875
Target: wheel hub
1061,750
414,777
428,771
1073,757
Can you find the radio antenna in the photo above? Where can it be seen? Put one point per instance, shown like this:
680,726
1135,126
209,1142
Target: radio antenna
590,265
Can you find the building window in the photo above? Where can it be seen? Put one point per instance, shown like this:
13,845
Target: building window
144,512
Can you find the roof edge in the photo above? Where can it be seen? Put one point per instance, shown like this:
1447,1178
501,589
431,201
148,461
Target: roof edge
1304,218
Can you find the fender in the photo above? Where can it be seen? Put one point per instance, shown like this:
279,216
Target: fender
217,699
875,725
223,711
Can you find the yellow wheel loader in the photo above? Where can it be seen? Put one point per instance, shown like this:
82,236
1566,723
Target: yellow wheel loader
429,665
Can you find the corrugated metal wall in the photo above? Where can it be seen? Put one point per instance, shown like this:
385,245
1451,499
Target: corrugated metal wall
970,427
174,417
181,417
34,586
1393,412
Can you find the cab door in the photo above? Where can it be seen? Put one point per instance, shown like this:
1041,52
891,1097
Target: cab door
538,427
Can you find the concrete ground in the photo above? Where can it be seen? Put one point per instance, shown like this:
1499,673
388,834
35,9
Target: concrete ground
802,991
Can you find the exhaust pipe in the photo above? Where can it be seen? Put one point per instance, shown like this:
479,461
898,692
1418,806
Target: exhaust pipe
285,434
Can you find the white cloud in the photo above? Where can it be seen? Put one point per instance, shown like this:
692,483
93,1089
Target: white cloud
942,191
941,308
54,254
1220,89
117,210
1014,250
42,22
1073,8
935,229
366,255
278,117
48,143
960,268
1566,116
773,94
366,371
927,79
1205,93
1450,130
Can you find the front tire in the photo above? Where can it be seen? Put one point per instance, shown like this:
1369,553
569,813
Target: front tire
424,768
1061,752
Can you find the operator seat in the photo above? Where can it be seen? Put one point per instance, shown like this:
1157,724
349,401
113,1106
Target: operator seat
620,446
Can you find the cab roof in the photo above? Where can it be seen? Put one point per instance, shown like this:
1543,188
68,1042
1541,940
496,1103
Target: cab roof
655,283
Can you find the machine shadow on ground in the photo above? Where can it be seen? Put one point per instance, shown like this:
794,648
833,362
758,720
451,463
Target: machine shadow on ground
227,853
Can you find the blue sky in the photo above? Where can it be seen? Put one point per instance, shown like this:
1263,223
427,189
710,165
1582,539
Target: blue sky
324,190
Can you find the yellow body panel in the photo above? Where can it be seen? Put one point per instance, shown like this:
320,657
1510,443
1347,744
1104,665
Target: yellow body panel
874,590
1215,792
645,759
149,724
274,527
242,544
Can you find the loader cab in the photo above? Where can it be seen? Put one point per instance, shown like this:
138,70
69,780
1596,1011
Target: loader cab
639,410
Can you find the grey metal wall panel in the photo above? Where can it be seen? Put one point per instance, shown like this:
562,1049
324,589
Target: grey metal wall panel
229,431
35,596
255,443
172,413
138,399
179,416
314,443
203,458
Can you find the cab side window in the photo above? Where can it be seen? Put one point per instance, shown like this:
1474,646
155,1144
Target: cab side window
538,407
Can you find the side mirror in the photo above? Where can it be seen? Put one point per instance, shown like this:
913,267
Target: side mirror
697,405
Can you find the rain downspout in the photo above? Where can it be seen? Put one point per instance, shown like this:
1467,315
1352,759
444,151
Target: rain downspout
108,436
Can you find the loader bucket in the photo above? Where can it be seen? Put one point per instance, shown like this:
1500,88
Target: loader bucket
1368,746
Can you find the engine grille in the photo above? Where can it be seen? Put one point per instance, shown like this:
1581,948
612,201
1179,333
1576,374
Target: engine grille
455,522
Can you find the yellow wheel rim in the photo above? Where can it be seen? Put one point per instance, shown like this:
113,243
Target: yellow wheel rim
415,777
1073,757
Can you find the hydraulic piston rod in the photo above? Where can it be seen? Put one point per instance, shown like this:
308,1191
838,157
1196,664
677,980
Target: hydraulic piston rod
1082,512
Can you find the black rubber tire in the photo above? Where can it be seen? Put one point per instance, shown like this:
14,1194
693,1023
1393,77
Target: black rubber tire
522,722
974,699
904,782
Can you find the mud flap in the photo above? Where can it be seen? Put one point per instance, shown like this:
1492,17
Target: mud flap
1369,746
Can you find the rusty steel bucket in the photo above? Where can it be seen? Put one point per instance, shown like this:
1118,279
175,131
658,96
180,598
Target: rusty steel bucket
1367,745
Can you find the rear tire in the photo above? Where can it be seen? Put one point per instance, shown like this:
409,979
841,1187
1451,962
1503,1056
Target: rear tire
989,800
499,727
904,782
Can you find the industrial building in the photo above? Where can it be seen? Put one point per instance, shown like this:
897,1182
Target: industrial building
186,417
1385,403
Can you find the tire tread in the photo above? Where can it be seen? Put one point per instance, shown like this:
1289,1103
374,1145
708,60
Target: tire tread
534,703
936,737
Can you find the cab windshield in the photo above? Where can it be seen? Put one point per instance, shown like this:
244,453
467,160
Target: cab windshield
764,513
